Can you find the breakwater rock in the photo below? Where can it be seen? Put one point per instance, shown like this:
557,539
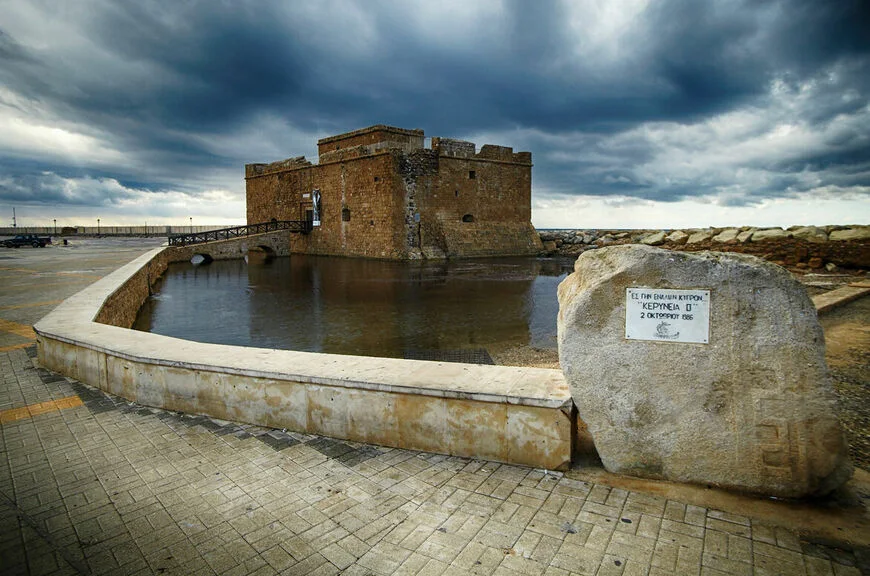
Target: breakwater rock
800,247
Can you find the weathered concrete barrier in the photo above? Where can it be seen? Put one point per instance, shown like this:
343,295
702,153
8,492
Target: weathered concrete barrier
514,415
706,368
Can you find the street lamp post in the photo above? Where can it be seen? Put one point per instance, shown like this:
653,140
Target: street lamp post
191,224
55,226
98,226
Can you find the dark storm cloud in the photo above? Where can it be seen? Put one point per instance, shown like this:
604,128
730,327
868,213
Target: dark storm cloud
10,50
812,34
169,86
52,189
212,65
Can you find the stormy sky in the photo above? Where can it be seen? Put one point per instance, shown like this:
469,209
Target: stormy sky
664,113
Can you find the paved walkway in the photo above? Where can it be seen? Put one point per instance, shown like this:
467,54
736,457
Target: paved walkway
93,484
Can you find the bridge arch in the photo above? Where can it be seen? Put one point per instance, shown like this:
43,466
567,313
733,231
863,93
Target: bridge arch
201,258
260,254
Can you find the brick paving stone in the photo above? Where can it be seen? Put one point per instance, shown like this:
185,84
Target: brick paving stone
841,570
729,527
109,487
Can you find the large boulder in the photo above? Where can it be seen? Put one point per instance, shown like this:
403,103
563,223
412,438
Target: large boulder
751,409
700,236
677,237
654,239
856,233
744,236
770,234
728,236
811,234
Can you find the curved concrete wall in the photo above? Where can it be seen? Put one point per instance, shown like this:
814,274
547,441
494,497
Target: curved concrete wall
514,415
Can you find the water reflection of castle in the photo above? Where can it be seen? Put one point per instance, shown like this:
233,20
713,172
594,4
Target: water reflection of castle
382,308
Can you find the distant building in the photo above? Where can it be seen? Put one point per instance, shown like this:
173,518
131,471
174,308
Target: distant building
383,195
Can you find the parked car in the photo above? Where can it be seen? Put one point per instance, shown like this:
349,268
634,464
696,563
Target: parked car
27,240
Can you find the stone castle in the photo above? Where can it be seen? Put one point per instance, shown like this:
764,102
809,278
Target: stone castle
379,193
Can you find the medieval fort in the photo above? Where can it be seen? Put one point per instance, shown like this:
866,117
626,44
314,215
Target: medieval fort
379,193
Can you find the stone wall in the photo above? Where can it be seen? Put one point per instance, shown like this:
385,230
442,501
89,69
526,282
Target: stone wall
480,239
515,415
488,190
122,305
384,198
361,204
379,136
798,247
416,172
469,204
289,163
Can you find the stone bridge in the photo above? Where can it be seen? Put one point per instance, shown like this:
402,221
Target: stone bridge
276,243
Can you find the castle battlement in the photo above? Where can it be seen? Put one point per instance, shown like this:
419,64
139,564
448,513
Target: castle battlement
383,194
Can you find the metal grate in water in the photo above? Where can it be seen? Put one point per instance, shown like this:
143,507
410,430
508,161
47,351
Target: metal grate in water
464,356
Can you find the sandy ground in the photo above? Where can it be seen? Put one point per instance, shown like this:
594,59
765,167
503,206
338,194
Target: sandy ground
847,336
528,356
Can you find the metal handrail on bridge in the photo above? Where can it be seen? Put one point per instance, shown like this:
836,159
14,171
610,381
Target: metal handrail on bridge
300,226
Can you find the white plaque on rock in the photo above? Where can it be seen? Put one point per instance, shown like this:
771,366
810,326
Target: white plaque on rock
665,315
